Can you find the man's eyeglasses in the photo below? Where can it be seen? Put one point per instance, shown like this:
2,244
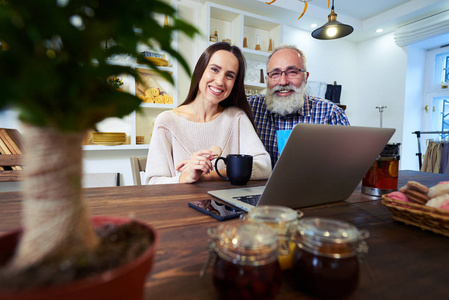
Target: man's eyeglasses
291,73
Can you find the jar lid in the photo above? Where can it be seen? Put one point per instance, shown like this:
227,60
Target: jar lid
328,230
245,243
390,149
273,214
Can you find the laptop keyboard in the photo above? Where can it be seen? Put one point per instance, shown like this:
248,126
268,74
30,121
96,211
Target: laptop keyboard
249,199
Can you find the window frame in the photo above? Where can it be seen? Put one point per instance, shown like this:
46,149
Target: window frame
432,83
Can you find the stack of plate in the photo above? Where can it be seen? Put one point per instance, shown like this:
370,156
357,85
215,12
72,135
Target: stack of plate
158,61
156,58
108,138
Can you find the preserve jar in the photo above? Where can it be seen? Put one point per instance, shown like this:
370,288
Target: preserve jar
282,219
245,261
326,259
382,177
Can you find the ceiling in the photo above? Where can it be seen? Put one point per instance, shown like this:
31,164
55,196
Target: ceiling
366,16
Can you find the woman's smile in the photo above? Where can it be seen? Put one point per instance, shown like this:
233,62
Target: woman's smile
219,77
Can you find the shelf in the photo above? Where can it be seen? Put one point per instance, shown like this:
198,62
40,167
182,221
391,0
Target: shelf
224,13
257,86
236,25
127,61
260,22
255,54
116,147
167,69
264,29
158,106
11,158
227,22
251,54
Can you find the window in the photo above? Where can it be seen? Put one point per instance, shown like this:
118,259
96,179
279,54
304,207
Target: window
445,118
446,70
442,76
441,68
436,96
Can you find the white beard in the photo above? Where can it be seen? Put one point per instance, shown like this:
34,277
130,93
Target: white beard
285,105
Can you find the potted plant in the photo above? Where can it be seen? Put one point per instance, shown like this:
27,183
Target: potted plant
54,69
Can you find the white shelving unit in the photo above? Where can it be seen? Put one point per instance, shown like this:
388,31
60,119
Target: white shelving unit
140,123
236,25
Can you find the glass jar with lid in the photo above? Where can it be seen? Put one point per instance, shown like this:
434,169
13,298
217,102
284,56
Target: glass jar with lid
245,264
382,177
282,219
326,259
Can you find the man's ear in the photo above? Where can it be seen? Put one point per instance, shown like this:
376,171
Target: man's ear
307,76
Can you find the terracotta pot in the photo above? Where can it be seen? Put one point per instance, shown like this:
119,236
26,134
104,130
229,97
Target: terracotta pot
126,282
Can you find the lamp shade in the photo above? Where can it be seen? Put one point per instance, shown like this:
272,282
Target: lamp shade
332,29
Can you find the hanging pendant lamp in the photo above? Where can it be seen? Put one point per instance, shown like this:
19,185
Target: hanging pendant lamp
332,29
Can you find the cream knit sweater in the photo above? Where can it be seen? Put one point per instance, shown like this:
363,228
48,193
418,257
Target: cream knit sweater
174,139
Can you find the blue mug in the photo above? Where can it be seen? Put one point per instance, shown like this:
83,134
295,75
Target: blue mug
238,168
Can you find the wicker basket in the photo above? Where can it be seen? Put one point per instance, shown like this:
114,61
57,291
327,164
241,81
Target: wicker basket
424,217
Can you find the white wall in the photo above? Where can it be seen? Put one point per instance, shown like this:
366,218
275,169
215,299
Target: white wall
413,106
189,10
381,69
9,119
329,61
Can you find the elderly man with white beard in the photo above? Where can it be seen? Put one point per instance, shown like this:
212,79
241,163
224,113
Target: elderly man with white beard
286,102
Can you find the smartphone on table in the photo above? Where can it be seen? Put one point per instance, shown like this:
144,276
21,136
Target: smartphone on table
217,210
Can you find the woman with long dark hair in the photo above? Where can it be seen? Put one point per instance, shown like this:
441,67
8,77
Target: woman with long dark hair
215,113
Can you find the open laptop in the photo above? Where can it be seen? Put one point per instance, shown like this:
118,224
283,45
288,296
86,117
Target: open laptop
319,164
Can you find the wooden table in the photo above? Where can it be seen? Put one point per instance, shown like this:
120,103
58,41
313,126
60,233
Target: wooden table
405,262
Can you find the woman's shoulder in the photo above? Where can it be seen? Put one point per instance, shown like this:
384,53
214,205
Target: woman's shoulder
165,115
233,111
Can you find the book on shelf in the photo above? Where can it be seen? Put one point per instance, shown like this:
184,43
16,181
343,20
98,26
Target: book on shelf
11,143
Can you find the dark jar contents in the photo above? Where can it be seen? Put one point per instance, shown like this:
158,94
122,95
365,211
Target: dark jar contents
326,262
233,281
325,276
246,263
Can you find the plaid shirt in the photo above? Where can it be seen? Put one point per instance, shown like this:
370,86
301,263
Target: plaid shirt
315,110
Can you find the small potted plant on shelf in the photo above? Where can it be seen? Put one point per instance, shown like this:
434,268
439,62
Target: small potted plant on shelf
116,82
55,71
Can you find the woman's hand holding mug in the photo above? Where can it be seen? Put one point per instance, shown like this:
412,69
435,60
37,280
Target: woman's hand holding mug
198,164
